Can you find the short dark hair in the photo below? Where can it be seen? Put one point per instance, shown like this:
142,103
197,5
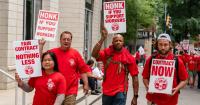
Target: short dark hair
65,32
89,62
53,56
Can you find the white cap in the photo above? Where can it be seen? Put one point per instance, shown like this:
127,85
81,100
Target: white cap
164,36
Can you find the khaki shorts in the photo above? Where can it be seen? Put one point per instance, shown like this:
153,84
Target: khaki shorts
150,103
70,100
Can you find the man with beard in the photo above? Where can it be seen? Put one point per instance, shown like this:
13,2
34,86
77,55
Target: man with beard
164,51
118,63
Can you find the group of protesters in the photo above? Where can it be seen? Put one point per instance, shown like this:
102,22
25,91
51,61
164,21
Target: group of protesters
192,63
62,67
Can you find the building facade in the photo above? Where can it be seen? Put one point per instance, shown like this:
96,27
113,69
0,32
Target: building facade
18,21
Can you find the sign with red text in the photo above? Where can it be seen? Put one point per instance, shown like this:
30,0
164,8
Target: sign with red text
115,17
185,44
161,76
47,25
27,58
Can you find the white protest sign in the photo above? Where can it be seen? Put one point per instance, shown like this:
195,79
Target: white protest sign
161,76
27,58
115,17
47,25
185,44
141,50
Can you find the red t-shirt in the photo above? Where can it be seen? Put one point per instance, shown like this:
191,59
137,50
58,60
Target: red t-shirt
70,64
47,87
114,77
184,58
164,99
191,63
137,56
198,62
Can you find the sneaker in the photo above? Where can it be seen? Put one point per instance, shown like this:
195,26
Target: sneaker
94,93
97,91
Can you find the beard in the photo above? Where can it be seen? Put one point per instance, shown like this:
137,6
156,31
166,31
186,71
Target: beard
163,52
117,48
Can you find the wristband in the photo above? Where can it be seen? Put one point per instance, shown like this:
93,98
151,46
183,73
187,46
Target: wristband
98,44
136,96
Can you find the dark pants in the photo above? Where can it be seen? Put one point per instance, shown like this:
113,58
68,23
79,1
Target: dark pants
198,86
92,82
118,99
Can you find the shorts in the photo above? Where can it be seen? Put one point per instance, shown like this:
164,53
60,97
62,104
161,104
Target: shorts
70,100
192,73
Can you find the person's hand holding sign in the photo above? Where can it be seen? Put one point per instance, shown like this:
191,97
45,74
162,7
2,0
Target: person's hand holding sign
42,42
41,45
104,33
19,80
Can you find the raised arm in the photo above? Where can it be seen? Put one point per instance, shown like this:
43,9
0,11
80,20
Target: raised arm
41,45
97,47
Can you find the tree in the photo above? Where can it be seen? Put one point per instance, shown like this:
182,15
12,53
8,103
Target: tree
185,17
139,14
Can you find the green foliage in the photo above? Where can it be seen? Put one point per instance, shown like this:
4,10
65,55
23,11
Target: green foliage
139,14
185,17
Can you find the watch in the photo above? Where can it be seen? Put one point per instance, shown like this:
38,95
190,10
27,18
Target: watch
136,96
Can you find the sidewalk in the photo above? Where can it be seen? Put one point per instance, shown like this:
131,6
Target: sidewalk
7,97
188,96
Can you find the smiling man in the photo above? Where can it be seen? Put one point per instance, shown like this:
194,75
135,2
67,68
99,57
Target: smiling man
70,64
118,62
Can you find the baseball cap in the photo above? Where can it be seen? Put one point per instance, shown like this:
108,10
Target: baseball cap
164,36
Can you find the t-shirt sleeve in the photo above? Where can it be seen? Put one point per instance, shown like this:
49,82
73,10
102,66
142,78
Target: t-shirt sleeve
183,75
31,82
82,66
101,56
146,70
133,69
61,84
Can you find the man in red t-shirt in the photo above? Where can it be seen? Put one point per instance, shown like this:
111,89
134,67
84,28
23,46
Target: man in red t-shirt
137,57
192,70
70,64
198,69
117,63
164,47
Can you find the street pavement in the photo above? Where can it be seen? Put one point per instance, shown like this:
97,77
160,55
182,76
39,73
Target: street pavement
188,96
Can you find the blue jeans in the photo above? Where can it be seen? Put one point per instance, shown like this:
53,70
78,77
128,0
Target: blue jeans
118,99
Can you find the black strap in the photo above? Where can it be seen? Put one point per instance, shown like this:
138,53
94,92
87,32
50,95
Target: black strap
126,78
106,66
126,71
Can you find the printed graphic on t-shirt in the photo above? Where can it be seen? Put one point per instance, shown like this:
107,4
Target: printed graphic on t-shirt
72,62
50,84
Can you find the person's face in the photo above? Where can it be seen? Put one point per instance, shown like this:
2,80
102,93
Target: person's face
48,63
163,46
118,42
100,66
65,41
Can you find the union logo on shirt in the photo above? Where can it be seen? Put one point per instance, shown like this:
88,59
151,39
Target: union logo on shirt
50,84
72,62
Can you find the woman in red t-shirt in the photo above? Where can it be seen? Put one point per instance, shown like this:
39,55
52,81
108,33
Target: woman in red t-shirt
50,87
